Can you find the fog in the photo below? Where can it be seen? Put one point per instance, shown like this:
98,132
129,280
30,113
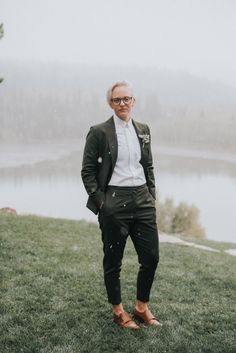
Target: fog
57,60
59,57
196,36
49,102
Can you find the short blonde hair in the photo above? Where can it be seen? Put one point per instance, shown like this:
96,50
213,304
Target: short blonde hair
117,84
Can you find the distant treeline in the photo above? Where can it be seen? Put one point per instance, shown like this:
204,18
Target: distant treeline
52,101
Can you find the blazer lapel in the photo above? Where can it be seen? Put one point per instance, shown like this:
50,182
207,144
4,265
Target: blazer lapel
139,131
112,141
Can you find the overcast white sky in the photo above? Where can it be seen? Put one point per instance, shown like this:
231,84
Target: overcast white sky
197,36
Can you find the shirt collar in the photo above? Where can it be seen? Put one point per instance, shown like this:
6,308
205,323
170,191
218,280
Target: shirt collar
121,123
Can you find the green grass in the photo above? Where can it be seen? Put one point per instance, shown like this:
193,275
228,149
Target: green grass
53,299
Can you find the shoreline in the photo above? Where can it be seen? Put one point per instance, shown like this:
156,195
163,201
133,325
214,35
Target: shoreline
183,152
16,155
204,243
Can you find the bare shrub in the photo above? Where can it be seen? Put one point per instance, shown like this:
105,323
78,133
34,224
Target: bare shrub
181,219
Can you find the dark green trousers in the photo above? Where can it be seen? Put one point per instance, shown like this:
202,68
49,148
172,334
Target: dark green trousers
129,211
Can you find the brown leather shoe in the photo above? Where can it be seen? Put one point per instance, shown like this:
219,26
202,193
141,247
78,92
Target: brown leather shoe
125,321
146,317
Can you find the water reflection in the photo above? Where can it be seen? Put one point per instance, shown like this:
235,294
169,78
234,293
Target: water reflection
54,188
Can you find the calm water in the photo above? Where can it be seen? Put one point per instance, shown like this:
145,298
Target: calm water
54,188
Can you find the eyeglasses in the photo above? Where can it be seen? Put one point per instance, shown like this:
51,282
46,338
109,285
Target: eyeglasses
125,100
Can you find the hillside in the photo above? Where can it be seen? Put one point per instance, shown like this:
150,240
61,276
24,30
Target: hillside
53,299
55,101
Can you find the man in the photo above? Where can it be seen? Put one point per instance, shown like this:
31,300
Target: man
117,172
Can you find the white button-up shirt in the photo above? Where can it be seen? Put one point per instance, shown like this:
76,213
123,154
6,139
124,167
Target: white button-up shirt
128,171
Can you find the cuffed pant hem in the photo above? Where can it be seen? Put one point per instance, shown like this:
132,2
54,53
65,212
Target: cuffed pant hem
114,302
142,299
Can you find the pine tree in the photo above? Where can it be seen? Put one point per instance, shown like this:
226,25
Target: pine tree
1,30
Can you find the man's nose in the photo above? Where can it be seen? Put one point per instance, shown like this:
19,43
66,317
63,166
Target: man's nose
121,102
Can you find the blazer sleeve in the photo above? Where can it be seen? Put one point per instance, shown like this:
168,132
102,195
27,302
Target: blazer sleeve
90,169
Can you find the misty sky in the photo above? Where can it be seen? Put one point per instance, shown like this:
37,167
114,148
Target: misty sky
197,36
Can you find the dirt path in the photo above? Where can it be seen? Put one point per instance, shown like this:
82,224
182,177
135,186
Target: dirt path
166,238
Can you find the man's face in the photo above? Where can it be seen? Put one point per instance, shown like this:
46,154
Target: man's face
122,110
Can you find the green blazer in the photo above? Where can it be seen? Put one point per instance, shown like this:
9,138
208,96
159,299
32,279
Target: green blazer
99,159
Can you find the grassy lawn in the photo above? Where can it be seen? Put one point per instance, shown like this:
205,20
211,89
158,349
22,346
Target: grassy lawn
53,299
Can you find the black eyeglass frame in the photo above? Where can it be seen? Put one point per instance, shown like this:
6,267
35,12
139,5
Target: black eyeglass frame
118,100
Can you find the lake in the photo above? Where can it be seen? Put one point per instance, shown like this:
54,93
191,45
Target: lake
44,179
